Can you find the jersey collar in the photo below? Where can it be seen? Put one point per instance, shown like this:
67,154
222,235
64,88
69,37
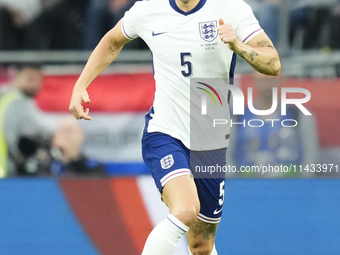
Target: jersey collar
197,7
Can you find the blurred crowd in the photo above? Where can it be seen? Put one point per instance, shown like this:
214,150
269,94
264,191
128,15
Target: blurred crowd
311,23
79,24
30,144
59,24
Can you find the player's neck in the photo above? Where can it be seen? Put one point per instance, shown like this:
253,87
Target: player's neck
186,5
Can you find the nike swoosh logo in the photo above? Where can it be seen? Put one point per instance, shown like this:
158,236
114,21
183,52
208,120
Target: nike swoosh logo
217,212
155,34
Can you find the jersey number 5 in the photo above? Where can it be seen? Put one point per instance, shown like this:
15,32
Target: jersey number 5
221,200
187,64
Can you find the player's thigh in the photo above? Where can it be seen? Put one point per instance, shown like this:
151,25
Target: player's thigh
201,237
168,160
180,195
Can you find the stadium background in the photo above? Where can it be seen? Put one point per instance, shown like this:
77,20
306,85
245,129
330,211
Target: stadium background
114,215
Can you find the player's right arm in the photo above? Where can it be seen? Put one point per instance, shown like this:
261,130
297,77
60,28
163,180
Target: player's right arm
102,56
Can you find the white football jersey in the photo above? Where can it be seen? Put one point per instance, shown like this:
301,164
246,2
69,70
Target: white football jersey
186,45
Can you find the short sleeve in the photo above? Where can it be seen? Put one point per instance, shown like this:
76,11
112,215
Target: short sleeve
244,21
131,21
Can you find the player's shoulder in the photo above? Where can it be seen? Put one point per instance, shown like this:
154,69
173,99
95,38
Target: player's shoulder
148,4
240,9
239,4
234,7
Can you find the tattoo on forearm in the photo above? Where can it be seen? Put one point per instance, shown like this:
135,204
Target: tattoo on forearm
265,44
253,54
112,51
259,63
272,61
242,54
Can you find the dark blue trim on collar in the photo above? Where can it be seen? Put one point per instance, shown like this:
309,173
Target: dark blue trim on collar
196,8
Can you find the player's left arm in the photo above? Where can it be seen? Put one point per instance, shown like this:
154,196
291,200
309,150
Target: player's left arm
259,51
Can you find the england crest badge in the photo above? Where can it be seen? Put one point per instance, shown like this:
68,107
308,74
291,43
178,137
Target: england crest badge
208,30
167,161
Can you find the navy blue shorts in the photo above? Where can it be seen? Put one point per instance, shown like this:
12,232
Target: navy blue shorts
167,158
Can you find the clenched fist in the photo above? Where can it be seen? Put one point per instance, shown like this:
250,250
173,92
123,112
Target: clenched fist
227,34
